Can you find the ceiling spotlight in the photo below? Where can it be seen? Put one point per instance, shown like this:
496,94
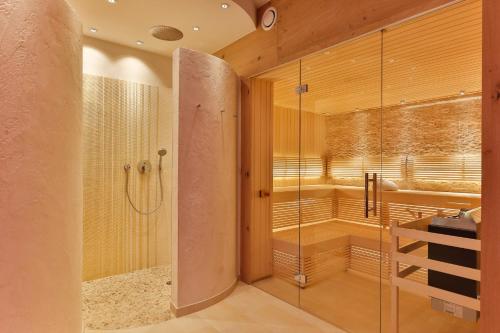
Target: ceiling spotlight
224,5
402,102
93,30
112,1
139,42
462,92
196,28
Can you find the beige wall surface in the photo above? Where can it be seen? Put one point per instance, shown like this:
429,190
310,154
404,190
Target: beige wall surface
128,117
40,181
205,188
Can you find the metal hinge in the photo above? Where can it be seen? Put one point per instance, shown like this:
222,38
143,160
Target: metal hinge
301,280
303,88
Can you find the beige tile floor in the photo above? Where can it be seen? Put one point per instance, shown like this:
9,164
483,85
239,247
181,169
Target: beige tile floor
246,310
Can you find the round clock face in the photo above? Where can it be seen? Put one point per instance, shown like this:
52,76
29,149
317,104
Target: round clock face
269,18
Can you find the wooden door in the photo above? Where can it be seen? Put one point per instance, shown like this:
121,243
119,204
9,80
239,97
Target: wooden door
257,159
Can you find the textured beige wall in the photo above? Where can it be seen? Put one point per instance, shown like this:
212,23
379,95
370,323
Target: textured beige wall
40,154
205,180
134,119
446,128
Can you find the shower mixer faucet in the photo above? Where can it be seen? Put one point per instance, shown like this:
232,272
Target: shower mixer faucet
144,167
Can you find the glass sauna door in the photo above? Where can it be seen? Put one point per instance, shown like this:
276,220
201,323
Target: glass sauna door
343,235
279,114
432,133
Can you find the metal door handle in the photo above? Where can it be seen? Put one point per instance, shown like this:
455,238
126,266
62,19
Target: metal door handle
367,181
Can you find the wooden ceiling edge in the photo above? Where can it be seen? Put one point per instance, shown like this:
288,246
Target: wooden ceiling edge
450,98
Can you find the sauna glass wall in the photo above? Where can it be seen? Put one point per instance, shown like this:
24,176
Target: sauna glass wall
344,251
431,127
404,104
282,279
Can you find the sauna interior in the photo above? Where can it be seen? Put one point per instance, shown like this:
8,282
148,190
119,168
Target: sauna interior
369,147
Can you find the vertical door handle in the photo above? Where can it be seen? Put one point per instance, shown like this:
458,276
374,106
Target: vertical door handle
374,188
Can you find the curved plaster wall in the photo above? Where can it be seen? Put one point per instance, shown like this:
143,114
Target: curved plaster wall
205,184
40,176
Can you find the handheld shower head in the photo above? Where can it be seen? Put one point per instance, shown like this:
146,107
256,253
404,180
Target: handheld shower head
162,152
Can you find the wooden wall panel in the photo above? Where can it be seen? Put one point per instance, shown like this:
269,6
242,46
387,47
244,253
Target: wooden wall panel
256,238
286,143
490,255
286,133
304,27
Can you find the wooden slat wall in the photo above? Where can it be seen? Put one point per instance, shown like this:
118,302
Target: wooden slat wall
286,133
490,255
257,160
286,141
304,27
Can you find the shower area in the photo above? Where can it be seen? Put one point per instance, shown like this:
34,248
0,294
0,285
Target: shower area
127,204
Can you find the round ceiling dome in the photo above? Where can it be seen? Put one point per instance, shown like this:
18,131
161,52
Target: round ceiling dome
164,32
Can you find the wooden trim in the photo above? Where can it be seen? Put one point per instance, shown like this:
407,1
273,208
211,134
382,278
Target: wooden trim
188,309
412,246
429,291
490,256
407,271
394,324
440,266
256,205
464,243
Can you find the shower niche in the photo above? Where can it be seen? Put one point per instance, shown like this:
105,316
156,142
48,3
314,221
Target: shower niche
127,206
363,178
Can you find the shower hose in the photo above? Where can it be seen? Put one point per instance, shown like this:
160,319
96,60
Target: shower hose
127,170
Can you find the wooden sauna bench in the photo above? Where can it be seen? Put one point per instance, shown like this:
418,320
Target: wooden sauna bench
328,235
344,240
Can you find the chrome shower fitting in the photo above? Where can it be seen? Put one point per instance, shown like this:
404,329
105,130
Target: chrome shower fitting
144,167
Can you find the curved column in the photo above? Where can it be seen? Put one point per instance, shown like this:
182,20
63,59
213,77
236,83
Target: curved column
40,176
205,184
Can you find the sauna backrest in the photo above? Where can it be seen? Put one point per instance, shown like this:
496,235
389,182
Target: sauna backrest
319,203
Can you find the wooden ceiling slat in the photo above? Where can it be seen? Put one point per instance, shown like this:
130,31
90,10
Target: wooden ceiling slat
433,56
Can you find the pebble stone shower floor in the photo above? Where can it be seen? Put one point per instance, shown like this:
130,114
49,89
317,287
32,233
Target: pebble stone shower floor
127,300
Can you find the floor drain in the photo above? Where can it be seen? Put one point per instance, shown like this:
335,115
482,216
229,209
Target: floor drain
169,283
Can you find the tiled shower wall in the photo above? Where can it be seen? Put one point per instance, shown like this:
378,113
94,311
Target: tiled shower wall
123,122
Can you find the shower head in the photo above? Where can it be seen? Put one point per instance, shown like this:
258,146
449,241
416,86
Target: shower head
162,152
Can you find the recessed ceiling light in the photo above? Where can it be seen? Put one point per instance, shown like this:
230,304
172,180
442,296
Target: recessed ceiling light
93,30
112,1
139,42
196,28
224,5
402,102
462,92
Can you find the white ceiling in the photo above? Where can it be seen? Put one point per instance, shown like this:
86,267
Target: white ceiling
130,20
